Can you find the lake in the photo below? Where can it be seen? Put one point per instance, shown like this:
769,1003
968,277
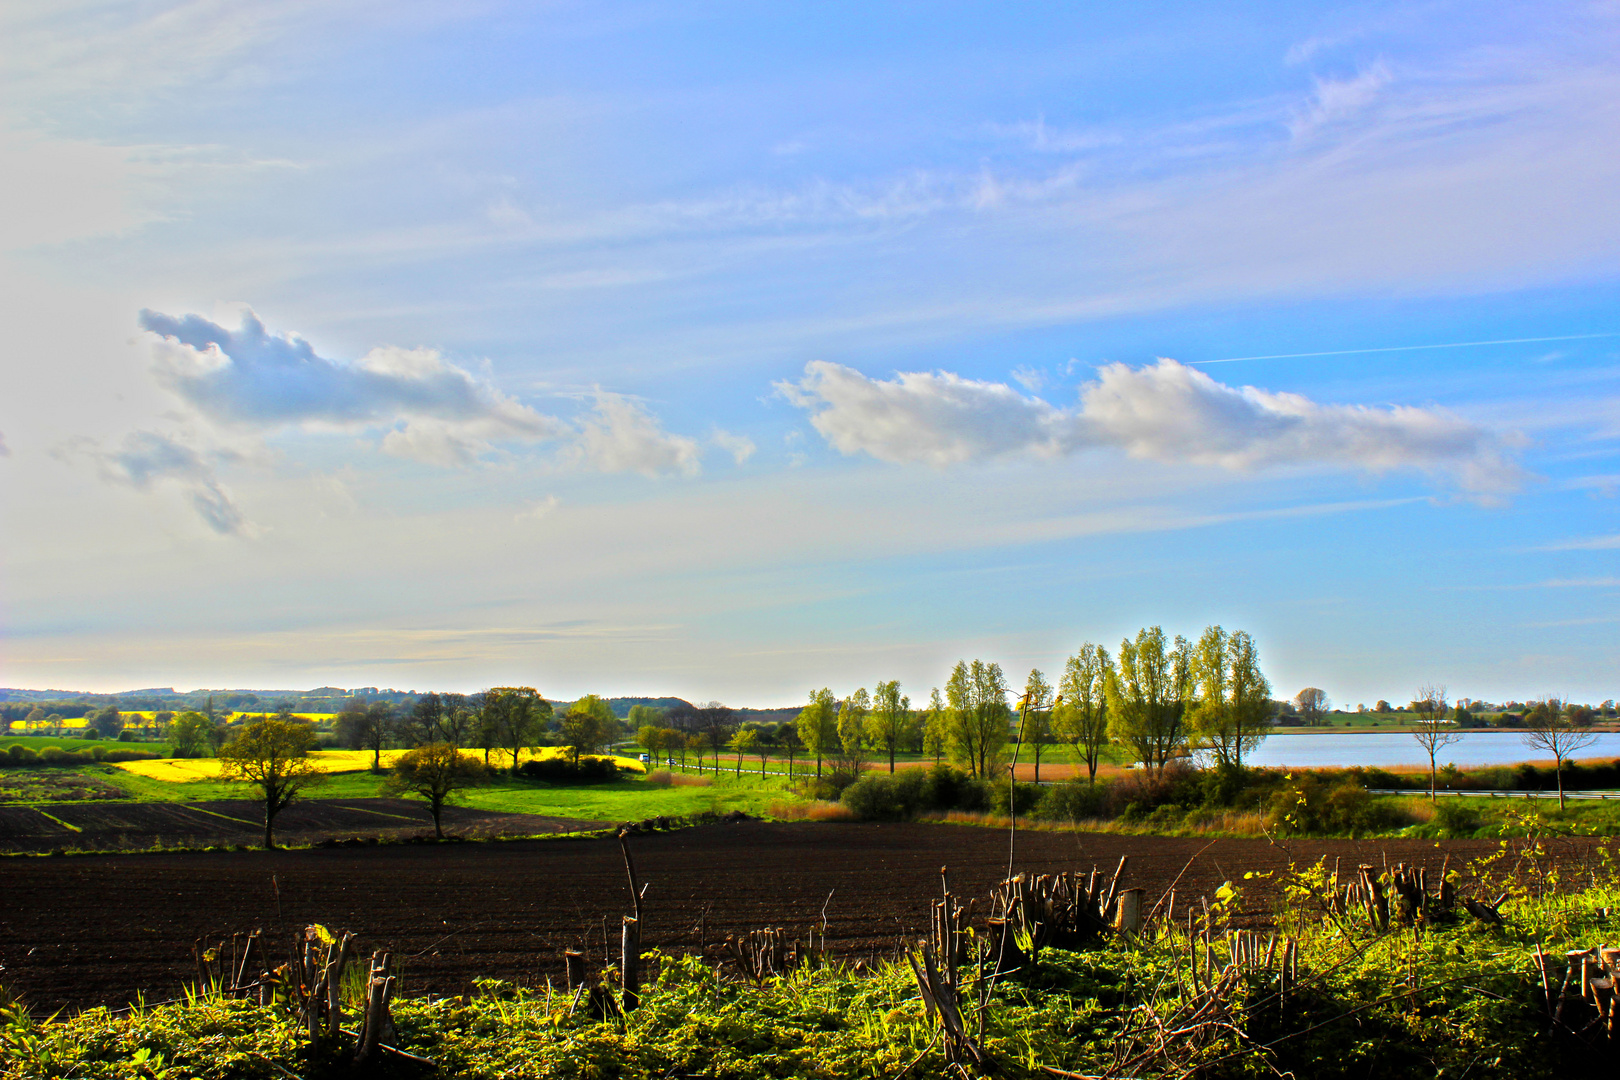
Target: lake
1387,750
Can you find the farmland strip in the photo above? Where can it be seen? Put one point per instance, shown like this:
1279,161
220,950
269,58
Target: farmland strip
53,817
379,813
216,813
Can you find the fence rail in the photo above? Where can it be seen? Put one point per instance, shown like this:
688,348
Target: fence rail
1499,794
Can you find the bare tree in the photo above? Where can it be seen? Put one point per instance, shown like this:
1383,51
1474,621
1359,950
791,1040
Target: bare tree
1429,706
1312,704
1552,730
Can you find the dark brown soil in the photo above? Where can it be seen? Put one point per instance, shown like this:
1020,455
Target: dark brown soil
98,929
105,826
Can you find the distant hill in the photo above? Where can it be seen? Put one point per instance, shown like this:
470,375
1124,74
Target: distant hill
320,699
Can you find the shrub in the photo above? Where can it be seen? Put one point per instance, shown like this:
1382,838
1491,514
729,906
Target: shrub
590,770
660,778
1456,818
1149,789
1075,800
125,755
1305,804
18,754
55,755
910,792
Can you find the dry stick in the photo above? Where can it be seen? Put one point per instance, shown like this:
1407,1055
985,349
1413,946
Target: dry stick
630,939
1177,881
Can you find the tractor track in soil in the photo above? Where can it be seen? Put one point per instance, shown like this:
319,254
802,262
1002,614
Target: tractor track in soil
86,930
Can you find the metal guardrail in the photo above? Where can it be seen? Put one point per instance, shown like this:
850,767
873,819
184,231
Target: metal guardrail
1500,794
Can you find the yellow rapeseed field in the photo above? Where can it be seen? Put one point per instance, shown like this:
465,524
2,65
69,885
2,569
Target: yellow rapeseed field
182,770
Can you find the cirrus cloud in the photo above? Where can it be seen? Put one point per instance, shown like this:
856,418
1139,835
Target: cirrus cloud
1164,412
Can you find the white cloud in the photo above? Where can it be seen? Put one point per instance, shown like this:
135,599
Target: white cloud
426,408
1167,412
740,447
251,376
146,458
624,437
933,417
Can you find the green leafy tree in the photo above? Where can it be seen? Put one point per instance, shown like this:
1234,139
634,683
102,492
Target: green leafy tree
274,756
435,772
978,716
891,723
587,726
1037,716
1081,717
852,746
516,717
107,722
1230,717
189,735
764,746
745,741
644,715
1146,696
936,727
650,737
818,725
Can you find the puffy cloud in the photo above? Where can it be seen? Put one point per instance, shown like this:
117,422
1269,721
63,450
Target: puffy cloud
146,458
426,408
932,417
1165,412
251,376
623,437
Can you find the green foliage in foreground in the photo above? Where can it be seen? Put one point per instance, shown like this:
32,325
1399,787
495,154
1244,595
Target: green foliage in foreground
1453,1000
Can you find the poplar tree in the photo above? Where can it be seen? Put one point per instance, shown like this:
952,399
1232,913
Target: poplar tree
1082,716
1234,697
852,719
976,697
818,724
1147,696
891,721
1037,719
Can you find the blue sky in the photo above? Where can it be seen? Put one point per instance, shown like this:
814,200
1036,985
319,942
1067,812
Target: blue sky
731,350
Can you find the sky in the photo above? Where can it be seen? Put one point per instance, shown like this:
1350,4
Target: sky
732,350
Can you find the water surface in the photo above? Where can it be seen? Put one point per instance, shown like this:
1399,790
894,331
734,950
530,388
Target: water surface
1391,749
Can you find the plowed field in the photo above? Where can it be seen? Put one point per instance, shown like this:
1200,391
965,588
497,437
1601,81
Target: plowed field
98,929
103,825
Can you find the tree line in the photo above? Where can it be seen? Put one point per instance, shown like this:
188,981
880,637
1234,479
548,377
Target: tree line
1158,698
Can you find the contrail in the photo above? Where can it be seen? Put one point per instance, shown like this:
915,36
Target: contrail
1406,348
